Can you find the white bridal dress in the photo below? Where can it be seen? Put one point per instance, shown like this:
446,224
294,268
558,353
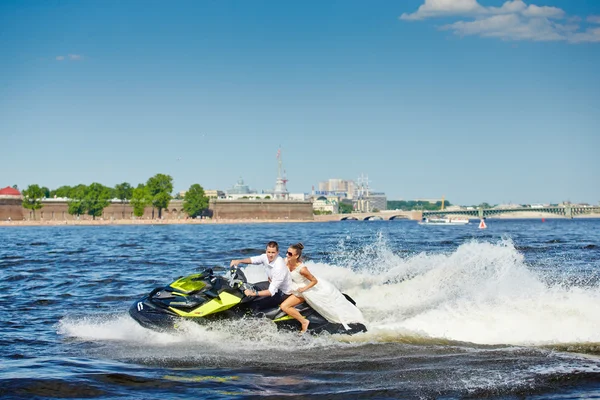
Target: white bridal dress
327,300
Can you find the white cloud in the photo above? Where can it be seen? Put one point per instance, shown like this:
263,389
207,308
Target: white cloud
507,26
439,8
591,35
594,19
71,57
514,20
543,12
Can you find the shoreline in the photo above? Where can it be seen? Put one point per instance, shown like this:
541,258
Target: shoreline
328,218
148,222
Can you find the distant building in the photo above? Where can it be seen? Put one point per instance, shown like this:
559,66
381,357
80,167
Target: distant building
297,196
10,204
239,189
10,193
339,187
538,205
377,201
324,204
214,194
507,206
359,193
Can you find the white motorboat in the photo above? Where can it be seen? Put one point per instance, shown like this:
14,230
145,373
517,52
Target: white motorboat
444,221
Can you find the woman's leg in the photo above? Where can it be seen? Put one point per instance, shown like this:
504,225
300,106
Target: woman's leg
288,307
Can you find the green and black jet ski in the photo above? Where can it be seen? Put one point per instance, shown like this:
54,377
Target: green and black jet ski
205,296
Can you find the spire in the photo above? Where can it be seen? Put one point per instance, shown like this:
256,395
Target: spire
280,191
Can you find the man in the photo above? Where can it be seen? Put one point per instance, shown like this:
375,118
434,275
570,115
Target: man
280,280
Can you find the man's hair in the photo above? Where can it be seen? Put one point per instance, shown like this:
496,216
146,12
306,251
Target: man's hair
273,244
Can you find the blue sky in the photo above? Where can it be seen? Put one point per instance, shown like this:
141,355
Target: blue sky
495,101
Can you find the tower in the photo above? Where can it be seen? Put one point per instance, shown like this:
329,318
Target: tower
280,192
362,194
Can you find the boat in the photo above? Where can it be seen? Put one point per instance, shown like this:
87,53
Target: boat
444,221
206,296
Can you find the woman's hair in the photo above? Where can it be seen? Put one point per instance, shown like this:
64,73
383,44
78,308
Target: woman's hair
298,247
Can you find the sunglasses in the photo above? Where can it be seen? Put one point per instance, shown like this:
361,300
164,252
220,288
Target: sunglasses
290,254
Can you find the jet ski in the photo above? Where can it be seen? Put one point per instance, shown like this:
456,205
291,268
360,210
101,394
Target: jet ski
206,296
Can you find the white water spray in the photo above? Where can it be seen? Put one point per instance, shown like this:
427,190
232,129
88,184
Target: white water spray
482,293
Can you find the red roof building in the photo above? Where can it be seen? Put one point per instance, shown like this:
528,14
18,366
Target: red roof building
8,191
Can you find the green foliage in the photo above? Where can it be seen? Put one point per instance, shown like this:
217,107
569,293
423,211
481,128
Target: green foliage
160,187
46,192
416,205
15,187
267,197
32,198
123,191
76,197
63,191
78,191
140,199
96,199
195,201
345,208
322,212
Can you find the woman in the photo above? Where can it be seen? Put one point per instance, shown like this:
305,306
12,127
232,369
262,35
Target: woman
321,295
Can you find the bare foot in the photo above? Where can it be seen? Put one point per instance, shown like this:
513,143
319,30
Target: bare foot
304,325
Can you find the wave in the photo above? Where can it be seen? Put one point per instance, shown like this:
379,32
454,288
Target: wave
481,293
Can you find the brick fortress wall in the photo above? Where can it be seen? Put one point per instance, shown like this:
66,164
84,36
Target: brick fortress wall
261,209
11,208
53,210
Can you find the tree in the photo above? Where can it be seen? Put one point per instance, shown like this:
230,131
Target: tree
160,187
76,195
140,199
322,212
416,205
96,199
195,201
46,192
32,198
15,187
123,191
344,208
62,191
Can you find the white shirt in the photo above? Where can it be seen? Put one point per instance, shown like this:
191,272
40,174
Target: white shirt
277,272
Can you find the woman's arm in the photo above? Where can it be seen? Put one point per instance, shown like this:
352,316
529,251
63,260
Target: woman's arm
313,281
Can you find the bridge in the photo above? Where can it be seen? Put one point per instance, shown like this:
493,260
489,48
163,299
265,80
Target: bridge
385,215
391,215
567,211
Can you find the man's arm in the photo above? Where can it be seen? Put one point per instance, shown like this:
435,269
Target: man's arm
279,277
262,259
235,263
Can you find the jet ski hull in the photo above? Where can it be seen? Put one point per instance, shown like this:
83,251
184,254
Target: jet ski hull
204,297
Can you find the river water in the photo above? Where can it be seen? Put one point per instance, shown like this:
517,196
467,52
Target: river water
512,311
